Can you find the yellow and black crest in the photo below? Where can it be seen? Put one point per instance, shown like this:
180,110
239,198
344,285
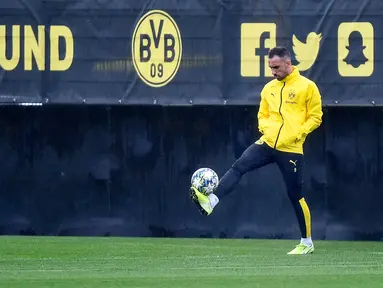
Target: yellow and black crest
291,94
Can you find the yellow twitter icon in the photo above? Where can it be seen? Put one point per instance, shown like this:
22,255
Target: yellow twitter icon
306,53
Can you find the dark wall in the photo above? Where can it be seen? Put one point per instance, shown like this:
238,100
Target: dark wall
81,170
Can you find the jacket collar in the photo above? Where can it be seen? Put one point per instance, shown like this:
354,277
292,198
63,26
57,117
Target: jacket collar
292,76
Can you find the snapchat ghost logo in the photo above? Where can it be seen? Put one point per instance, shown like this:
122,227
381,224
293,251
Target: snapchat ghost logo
356,49
355,56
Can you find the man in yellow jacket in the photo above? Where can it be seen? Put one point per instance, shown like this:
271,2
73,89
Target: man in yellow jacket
290,109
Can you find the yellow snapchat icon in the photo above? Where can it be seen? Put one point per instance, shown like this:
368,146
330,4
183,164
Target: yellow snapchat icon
356,49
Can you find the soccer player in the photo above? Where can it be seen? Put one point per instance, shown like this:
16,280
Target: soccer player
290,108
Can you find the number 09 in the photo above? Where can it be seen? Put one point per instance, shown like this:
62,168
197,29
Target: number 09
156,70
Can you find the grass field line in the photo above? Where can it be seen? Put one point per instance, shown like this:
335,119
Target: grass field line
214,267
164,257
276,266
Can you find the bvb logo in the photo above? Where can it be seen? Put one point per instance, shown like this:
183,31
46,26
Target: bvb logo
156,48
292,94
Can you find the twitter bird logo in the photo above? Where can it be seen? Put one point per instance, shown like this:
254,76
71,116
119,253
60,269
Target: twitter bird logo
306,53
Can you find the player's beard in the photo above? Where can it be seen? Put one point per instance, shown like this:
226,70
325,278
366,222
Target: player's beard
281,77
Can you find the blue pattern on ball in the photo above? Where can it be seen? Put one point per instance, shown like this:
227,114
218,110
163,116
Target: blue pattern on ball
205,180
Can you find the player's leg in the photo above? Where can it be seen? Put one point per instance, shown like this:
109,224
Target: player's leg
255,156
292,166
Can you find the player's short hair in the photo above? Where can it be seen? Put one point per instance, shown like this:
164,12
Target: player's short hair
279,51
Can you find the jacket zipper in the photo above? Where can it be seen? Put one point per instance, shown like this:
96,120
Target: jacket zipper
283,120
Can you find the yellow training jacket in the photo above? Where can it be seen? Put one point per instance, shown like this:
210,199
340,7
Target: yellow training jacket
289,110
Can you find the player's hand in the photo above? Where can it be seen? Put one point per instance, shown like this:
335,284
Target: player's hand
298,138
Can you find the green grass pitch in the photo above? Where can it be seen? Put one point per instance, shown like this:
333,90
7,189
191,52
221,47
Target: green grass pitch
166,262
